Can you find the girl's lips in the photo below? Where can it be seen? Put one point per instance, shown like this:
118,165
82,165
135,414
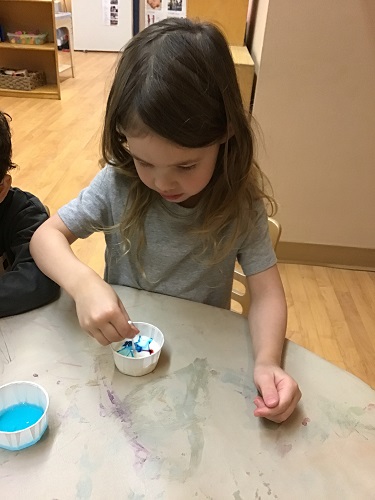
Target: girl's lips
171,197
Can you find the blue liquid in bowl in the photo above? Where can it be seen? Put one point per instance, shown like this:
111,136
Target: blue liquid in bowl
18,417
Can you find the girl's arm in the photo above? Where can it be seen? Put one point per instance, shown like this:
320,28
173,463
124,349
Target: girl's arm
99,309
279,393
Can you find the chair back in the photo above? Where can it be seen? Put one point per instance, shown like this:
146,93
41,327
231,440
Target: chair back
240,297
274,229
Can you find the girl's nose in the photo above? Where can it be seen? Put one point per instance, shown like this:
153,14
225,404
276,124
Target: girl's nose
164,183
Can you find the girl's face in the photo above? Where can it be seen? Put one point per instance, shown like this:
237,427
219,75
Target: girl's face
178,174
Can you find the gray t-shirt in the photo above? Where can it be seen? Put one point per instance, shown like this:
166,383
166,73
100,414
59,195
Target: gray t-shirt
169,260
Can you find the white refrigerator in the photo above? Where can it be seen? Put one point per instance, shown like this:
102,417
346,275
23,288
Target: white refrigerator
102,25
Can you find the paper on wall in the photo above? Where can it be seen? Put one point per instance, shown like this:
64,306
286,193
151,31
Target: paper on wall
110,12
156,10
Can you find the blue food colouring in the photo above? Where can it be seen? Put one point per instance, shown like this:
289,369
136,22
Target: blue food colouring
127,349
18,417
140,344
143,344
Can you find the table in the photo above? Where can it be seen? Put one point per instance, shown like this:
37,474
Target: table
187,430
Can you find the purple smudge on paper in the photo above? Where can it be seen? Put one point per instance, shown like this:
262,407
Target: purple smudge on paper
102,411
305,421
141,454
122,413
283,449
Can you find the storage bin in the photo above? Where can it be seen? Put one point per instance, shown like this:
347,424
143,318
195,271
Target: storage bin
34,80
27,38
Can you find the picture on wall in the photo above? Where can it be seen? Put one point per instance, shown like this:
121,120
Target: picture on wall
175,5
155,4
156,10
110,12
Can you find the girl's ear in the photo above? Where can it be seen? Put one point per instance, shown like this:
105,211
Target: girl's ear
5,185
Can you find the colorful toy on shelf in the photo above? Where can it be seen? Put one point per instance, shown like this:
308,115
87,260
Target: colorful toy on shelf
27,38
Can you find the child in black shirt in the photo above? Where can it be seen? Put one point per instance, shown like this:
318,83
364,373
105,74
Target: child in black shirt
22,285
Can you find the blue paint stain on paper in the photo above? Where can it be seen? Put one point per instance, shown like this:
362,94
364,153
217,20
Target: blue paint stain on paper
84,488
84,485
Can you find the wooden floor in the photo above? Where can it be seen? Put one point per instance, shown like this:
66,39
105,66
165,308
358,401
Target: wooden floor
56,145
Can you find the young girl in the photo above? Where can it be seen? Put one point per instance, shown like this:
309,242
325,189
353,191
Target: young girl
179,200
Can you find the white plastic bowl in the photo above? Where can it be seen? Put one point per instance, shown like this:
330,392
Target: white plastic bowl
137,367
23,392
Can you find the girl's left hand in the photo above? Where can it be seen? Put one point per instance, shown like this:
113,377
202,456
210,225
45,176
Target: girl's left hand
279,393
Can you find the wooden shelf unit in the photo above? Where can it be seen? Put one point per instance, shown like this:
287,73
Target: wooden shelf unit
29,15
18,46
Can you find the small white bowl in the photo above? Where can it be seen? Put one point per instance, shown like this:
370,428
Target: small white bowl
17,393
137,367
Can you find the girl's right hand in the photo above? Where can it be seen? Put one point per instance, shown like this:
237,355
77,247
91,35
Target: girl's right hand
101,313
99,309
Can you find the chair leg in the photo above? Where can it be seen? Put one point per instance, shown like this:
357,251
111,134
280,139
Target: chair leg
71,49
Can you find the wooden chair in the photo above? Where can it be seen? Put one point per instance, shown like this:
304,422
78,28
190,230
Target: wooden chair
63,19
240,297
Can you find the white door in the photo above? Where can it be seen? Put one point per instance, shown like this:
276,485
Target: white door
90,30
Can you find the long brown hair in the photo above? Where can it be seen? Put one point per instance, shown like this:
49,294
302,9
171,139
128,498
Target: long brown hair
177,79
6,163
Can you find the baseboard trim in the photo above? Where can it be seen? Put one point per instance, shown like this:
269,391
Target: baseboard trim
326,255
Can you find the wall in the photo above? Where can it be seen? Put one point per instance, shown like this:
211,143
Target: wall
315,103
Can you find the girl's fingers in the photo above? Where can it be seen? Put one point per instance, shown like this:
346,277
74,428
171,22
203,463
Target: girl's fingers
281,412
111,326
131,330
120,322
98,336
111,333
259,403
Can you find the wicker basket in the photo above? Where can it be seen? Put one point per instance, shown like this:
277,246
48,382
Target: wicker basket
30,82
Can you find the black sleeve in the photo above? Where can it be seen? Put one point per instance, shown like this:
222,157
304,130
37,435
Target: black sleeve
24,286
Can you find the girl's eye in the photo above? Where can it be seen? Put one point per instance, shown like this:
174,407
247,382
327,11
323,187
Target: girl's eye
187,167
143,164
